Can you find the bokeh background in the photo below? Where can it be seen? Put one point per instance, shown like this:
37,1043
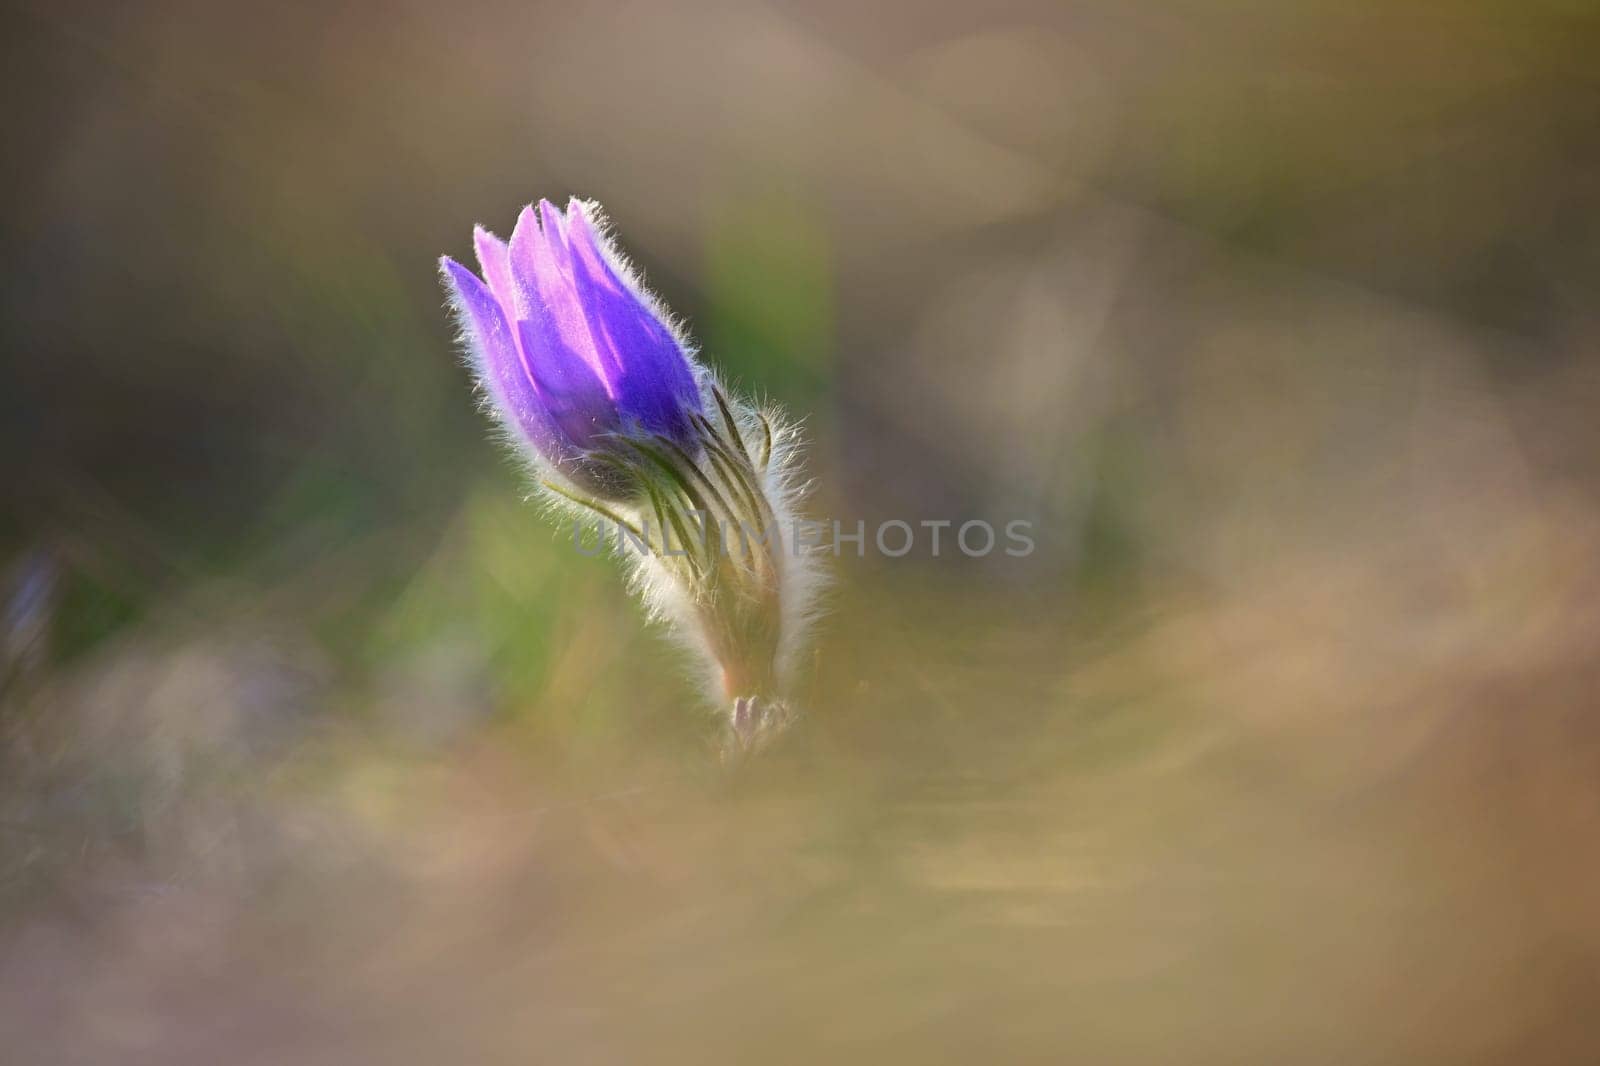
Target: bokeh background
1277,319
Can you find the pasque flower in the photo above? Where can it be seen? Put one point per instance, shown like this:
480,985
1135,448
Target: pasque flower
568,347
598,386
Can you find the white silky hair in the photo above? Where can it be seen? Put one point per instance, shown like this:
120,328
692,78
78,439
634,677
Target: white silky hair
802,577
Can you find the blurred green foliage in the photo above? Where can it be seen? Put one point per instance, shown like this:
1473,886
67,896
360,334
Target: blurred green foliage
769,293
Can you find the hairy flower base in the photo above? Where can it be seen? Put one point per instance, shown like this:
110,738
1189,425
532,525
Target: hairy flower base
724,592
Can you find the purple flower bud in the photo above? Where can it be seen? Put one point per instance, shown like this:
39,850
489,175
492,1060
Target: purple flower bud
571,350
587,373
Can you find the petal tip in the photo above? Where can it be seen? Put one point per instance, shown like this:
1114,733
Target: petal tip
454,272
554,223
484,238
